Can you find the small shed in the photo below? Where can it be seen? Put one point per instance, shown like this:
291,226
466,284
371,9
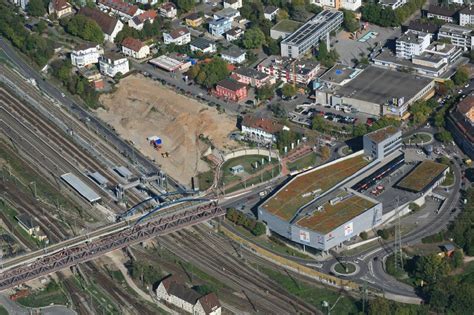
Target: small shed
448,249
238,169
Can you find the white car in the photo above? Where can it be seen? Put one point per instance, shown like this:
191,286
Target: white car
419,152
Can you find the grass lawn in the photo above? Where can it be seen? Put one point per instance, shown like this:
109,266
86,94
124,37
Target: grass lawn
10,214
97,295
267,243
418,138
3,311
267,175
341,268
248,163
303,162
449,180
422,176
313,295
205,180
52,294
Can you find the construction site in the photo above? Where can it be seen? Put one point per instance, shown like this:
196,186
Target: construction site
141,108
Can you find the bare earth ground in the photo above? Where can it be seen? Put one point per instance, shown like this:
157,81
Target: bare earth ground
141,108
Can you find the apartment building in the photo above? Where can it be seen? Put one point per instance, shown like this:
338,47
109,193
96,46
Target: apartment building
412,44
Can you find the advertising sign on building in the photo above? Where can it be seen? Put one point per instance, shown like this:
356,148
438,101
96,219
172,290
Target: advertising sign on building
304,236
348,229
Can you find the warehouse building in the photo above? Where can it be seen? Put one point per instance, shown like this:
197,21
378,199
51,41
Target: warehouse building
309,35
377,91
324,207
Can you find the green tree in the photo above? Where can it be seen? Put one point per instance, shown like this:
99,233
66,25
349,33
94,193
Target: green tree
350,22
265,92
444,136
211,73
359,130
325,153
272,47
283,15
41,26
288,90
363,235
431,268
36,8
278,110
318,123
457,259
285,138
259,229
461,76
379,306
253,38
326,57
85,28
184,5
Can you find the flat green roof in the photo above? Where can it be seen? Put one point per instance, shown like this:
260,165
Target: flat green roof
422,175
303,188
332,216
288,26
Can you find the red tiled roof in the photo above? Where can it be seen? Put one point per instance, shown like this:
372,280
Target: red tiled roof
121,6
132,43
466,107
105,22
168,6
209,302
147,15
60,5
264,124
179,32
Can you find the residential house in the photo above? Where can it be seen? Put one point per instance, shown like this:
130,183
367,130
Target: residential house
135,48
86,54
412,44
302,71
466,16
123,9
340,4
180,36
392,4
194,20
260,129
270,12
203,45
173,291
168,10
110,26
234,4
112,64
60,8
234,55
234,34
441,13
231,90
220,26
138,21
21,3
227,13
252,77
149,2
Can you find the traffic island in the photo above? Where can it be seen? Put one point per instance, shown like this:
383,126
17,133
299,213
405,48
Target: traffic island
345,268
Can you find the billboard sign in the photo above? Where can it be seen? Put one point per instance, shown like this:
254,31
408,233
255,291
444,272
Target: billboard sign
304,236
348,229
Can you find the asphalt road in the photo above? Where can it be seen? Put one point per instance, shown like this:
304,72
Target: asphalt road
82,114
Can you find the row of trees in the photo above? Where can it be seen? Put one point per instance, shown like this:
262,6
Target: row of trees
149,30
85,28
257,228
38,48
384,16
62,70
362,129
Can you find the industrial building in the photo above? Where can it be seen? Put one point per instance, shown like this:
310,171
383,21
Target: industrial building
309,35
375,91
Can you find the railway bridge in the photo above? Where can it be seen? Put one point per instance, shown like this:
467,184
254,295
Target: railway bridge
82,249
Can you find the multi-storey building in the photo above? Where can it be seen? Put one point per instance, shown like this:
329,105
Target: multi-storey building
383,142
168,10
231,90
310,33
441,13
466,16
252,77
234,4
60,7
392,4
234,55
86,54
112,64
289,71
220,26
459,36
180,36
412,44
339,4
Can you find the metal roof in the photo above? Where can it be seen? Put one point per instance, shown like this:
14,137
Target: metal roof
79,186
123,171
98,178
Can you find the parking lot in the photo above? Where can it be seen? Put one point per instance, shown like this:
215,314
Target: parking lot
350,49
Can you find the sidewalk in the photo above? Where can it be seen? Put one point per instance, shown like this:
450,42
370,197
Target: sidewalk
14,308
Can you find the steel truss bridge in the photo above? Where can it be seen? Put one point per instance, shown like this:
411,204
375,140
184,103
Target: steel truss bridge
85,249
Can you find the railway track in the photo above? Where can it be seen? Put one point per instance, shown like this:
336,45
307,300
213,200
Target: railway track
57,136
259,288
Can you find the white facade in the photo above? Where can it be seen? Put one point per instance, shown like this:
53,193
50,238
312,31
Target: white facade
271,14
150,2
234,59
111,37
260,133
393,4
234,4
143,52
412,44
87,56
112,66
179,37
206,50
459,36
466,17
342,4
199,310
21,3
351,5
168,10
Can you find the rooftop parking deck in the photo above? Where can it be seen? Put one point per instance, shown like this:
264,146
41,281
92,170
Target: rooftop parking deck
305,187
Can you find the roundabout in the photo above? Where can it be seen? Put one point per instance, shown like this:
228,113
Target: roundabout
345,268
